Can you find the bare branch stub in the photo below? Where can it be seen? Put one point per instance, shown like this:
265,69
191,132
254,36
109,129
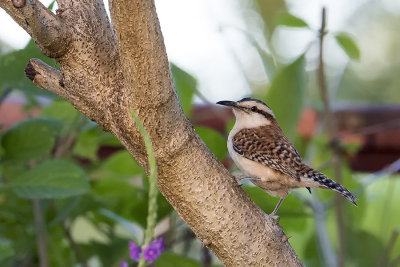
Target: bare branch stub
46,77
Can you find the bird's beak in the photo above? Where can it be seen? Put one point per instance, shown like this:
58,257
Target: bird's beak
227,103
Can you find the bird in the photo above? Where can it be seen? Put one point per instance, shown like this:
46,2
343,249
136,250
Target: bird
260,149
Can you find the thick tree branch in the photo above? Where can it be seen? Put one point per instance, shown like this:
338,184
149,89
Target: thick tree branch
104,75
62,3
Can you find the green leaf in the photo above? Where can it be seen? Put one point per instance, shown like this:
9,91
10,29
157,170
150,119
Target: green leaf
168,259
289,20
64,210
286,95
185,85
122,164
6,249
13,168
214,140
61,110
2,151
12,67
355,253
51,179
51,5
90,140
111,253
30,139
266,56
122,198
348,45
311,252
135,229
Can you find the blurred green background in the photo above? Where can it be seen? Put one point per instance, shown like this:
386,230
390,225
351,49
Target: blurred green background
58,166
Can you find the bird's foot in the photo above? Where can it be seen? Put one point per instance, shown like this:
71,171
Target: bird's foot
239,178
274,217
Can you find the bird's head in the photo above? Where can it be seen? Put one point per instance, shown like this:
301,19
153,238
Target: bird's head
250,112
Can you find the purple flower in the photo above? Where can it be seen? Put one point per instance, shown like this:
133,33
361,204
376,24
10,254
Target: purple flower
154,250
159,244
124,264
134,251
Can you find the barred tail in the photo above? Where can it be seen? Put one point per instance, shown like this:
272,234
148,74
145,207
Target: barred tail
317,179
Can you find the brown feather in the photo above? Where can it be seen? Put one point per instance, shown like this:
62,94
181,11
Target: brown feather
258,144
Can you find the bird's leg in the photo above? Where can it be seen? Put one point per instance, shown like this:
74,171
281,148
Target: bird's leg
273,214
239,178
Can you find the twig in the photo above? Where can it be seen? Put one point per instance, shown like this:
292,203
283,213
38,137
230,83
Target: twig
40,233
61,150
375,128
392,168
320,225
65,145
322,233
75,248
395,262
206,259
332,133
4,95
390,246
321,70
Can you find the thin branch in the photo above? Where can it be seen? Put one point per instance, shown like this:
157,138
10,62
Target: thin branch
40,233
390,169
395,262
332,132
75,248
66,144
375,128
206,257
390,246
321,230
322,233
45,77
60,151
4,95
321,69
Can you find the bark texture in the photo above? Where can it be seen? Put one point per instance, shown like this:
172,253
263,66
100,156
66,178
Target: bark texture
105,70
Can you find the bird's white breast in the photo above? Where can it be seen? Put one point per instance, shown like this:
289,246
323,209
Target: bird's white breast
248,167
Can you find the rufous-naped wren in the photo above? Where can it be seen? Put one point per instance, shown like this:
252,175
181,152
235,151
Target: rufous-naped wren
264,154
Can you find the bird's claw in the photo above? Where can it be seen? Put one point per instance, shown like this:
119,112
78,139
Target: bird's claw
239,179
274,217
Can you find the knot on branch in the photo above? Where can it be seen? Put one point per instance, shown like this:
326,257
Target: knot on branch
19,3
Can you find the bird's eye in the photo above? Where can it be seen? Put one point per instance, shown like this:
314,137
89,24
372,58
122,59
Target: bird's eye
253,108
